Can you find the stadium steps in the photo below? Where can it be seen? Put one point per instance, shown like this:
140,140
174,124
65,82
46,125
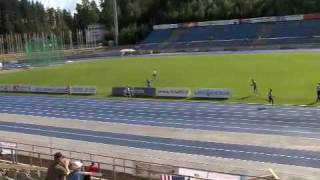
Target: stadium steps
264,31
172,39
20,171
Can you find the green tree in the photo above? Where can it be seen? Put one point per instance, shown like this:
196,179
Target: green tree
87,13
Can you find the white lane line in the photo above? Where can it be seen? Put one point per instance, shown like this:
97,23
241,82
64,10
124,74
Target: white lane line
159,143
229,119
229,107
151,107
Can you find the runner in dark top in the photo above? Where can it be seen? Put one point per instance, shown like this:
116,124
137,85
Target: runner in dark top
270,97
148,82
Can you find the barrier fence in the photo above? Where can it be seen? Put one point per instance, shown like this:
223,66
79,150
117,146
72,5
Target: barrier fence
21,42
205,93
21,88
109,166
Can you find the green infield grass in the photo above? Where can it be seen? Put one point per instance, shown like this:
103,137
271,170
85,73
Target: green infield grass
292,76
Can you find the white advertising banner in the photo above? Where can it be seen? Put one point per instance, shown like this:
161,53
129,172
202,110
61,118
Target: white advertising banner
260,19
165,26
84,90
6,88
81,90
212,93
290,18
235,21
206,175
50,90
217,23
21,88
173,92
7,148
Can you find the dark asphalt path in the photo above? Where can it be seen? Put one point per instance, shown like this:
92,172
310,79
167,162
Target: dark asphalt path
230,151
280,120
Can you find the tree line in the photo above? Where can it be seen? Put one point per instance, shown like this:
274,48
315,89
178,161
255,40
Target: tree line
24,16
136,17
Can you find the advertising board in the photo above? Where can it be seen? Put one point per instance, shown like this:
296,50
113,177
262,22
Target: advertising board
212,93
173,92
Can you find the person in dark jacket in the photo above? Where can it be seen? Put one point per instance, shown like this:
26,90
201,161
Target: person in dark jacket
59,169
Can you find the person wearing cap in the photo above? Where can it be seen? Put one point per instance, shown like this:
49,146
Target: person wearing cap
59,169
77,174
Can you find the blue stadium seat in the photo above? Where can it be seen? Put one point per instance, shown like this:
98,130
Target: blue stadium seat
158,36
235,35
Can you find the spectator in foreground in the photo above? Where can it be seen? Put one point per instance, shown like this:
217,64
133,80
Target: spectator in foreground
59,169
92,168
77,174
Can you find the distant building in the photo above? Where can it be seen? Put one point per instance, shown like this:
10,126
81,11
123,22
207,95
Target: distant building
95,33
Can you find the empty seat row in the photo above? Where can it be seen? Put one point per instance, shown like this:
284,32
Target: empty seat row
235,34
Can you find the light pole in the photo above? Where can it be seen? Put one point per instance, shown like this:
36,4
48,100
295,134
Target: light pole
115,20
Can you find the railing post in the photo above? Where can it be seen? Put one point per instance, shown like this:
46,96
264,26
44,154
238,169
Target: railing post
16,156
12,156
32,154
114,170
99,169
40,160
82,168
51,151
50,142
30,158
99,166
149,172
124,166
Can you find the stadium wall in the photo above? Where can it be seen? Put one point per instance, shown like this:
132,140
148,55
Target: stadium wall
240,21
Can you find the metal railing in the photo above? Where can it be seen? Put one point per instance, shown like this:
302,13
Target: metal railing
109,166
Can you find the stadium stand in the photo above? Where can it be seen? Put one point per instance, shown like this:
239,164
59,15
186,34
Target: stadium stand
159,36
286,30
30,162
20,172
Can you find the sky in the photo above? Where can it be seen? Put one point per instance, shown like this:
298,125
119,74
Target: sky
63,4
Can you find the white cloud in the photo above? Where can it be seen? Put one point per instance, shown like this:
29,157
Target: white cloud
63,4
